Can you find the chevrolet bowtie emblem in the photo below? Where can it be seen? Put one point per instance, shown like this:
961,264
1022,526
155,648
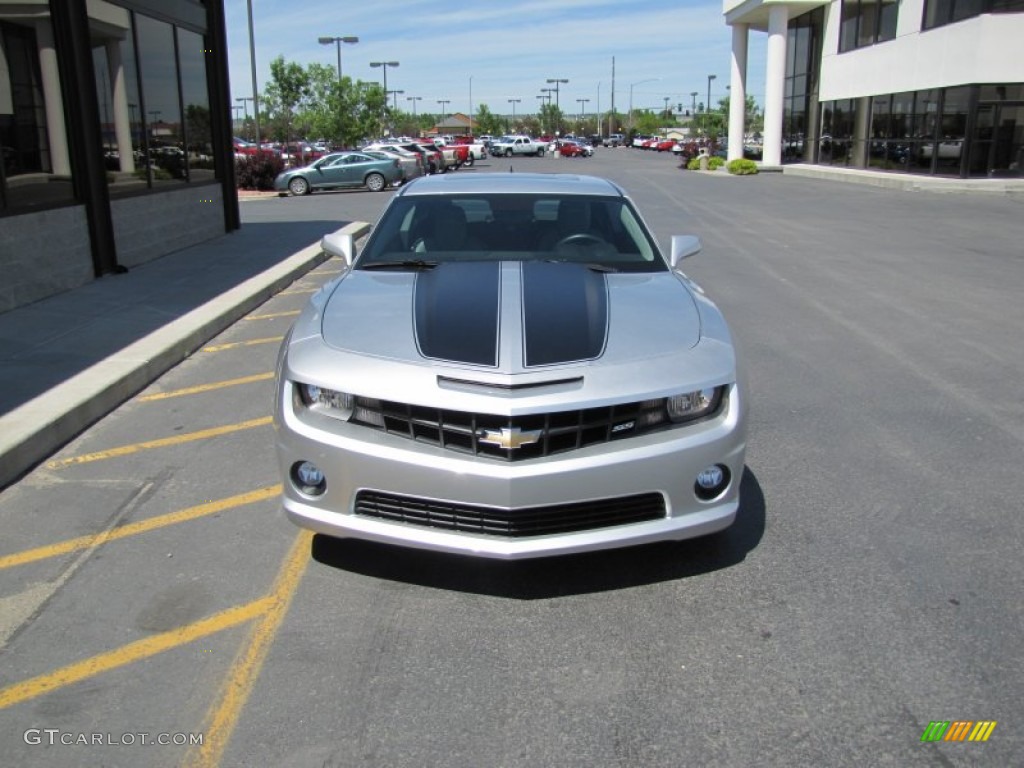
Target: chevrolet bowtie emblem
509,437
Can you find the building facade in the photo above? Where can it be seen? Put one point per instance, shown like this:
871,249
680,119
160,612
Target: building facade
906,86
115,136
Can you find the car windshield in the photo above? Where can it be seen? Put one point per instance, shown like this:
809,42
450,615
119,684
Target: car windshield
423,231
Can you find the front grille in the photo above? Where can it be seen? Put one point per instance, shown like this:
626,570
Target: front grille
531,521
512,438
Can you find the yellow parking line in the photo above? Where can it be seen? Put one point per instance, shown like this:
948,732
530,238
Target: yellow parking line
140,649
297,291
223,715
134,529
272,315
205,387
163,442
235,344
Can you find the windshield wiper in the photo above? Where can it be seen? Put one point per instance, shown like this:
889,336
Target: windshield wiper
592,266
405,264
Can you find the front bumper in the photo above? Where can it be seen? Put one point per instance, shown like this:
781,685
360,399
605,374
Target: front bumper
355,458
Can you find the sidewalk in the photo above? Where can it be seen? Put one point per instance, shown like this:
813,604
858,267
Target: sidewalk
68,360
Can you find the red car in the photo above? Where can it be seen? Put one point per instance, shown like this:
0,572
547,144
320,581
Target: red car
567,148
666,145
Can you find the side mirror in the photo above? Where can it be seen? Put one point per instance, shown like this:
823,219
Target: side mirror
340,245
682,247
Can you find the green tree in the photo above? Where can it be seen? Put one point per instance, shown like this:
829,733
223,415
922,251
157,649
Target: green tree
487,122
288,88
646,122
552,119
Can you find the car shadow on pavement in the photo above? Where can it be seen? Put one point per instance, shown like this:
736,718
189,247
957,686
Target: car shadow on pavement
556,576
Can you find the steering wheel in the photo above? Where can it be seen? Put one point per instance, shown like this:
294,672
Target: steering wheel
580,238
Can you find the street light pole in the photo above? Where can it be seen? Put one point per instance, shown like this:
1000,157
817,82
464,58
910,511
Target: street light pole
384,64
394,95
413,99
444,103
707,105
513,102
255,89
639,82
583,109
558,107
338,41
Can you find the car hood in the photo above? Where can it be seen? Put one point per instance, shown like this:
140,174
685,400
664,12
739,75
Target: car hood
511,317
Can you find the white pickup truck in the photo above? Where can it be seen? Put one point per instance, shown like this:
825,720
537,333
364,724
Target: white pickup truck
517,145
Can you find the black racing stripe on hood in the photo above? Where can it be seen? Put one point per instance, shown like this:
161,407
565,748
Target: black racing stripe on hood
456,312
565,312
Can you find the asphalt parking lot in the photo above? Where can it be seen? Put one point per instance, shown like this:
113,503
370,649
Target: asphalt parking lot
871,586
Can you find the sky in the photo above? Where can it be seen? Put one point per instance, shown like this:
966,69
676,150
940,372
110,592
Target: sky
491,51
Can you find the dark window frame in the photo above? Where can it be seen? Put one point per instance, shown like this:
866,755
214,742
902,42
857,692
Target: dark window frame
941,13
864,23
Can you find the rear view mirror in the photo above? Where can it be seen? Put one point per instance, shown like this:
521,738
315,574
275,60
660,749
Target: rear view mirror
682,247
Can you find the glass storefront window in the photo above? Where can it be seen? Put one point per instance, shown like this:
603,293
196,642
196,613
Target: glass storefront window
163,120
952,130
117,91
198,133
35,168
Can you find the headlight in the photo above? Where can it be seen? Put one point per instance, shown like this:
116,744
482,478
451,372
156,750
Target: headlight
327,401
693,405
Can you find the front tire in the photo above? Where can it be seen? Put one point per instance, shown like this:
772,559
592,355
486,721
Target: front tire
508,153
298,186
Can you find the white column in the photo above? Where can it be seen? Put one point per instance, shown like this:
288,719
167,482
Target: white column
774,86
122,119
738,91
56,129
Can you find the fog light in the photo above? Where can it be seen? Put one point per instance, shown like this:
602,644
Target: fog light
711,482
309,478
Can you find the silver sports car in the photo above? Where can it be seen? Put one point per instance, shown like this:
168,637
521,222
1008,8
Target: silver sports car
510,368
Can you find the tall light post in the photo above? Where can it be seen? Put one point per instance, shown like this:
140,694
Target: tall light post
513,102
337,42
583,109
558,108
545,98
693,110
707,104
414,99
394,95
255,89
384,64
638,82
245,104
557,81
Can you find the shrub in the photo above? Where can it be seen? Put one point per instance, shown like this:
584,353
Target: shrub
742,167
258,172
693,164
715,162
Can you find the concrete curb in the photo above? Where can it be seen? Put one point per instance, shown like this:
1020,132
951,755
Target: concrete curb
908,182
33,431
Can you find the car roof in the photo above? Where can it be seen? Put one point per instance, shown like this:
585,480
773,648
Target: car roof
511,183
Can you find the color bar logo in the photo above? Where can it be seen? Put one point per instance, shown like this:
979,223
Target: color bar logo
958,730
